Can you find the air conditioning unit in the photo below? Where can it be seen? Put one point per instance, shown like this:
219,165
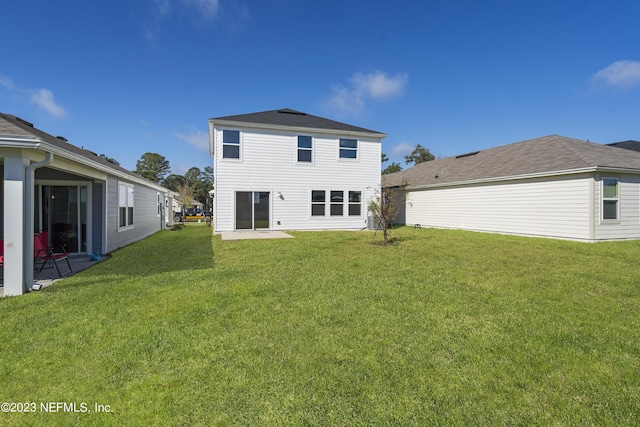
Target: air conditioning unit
373,223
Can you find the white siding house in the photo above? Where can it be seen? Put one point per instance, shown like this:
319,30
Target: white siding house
548,187
287,170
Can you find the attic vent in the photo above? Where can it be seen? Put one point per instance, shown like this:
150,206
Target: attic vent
23,121
62,138
95,154
467,154
289,111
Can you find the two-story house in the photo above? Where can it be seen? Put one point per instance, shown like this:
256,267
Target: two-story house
287,170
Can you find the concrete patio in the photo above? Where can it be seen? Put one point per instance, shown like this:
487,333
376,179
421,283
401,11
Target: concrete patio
49,274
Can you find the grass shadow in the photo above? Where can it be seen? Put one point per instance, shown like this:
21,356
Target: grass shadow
189,248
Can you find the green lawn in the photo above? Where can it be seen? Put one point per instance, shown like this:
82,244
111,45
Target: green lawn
445,328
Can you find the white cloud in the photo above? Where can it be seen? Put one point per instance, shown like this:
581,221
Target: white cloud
195,12
621,74
6,82
376,86
43,98
195,137
402,149
207,9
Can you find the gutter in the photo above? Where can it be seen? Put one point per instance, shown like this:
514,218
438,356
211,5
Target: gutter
28,217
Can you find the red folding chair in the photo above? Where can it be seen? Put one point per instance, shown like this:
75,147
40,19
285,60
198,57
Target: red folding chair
43,253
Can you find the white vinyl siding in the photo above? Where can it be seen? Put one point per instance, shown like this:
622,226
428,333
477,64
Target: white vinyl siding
550,207
270,163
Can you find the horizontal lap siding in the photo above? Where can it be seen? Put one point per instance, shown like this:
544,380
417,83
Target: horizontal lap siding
629,198
558,208
269,164
145,215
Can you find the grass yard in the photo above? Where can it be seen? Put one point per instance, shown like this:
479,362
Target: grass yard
446,328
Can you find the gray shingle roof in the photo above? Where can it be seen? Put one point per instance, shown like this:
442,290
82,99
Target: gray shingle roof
292,118
551,153
12,125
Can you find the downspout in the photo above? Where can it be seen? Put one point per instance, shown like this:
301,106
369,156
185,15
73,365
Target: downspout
29,217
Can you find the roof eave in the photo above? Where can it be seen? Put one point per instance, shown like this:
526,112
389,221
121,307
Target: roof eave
235,123
99,166
524,176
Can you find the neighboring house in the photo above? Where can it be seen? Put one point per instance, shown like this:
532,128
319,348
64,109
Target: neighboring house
552,187
287,170
78,198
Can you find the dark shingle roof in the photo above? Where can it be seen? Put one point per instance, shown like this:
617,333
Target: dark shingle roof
627,145
12,125
551,153
291,118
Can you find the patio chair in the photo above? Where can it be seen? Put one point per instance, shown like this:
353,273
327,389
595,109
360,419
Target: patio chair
43,253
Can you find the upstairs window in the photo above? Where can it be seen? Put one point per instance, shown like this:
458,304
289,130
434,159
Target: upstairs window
610,199
305,149
125,206
230,144
348,148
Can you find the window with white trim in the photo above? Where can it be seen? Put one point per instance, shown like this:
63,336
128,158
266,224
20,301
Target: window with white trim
231,144
125,206
348,148
159,205
337,203
305,149
318,200
610,199
355,203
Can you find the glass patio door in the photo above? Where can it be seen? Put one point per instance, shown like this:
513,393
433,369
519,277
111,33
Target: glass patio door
252,210
64,216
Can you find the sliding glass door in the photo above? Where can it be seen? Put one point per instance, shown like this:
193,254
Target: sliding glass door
64,216
252,210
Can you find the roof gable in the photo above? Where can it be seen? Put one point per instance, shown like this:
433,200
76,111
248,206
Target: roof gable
548,154
291,118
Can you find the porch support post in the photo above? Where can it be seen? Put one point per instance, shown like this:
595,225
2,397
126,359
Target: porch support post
14,225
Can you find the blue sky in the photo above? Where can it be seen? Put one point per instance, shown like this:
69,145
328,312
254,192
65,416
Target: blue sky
128,77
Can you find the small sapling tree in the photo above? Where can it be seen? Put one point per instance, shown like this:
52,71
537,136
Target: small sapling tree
385,207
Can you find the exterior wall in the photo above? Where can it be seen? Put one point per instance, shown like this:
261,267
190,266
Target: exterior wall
628,225
550,207
145,218
269,163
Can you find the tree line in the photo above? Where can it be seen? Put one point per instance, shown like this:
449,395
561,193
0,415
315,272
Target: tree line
194,184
